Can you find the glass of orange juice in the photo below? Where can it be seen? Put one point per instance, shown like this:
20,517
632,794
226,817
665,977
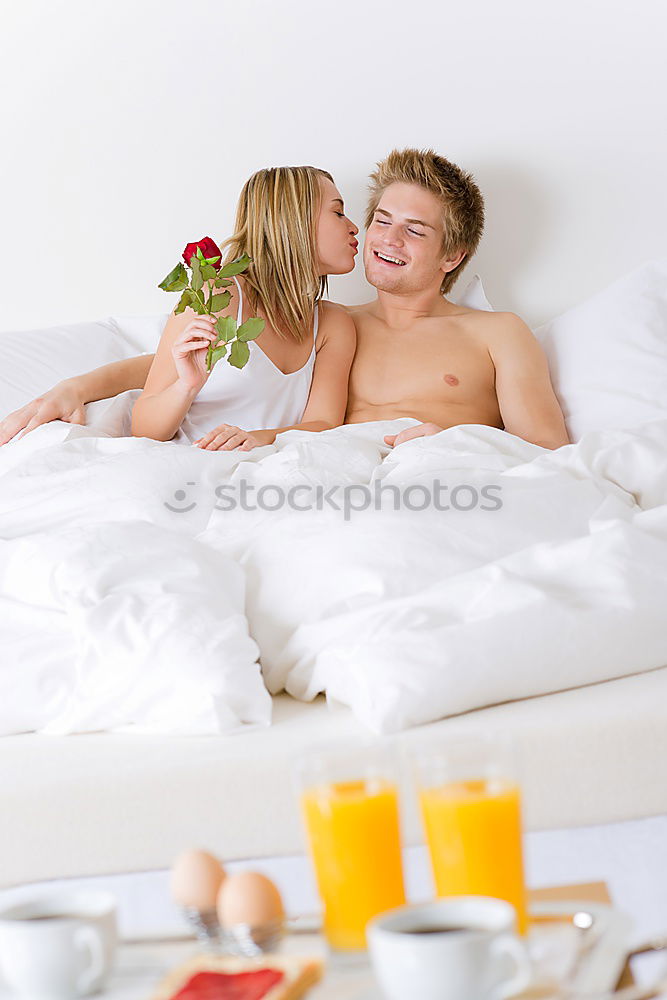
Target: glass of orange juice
471,809
350,810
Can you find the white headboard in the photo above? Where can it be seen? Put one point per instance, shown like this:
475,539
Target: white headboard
130,128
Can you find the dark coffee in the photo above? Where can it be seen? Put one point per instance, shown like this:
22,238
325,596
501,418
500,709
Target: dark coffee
435,930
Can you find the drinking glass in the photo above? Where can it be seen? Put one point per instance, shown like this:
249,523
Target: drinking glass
471,809
349,804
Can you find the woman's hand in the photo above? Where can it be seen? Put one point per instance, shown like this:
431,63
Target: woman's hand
189,352
63,402
226,437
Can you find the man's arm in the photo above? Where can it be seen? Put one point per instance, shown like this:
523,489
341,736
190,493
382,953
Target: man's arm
65,401
527,401
112,379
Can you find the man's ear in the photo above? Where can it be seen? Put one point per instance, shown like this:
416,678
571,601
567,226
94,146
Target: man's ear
448,264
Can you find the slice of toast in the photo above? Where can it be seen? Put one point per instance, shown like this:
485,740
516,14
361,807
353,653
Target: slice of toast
268,977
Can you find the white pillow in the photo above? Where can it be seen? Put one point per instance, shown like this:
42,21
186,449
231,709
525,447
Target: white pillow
608,355
473,295
31,361
143,332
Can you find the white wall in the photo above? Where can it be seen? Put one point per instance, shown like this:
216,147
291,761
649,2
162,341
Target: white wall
128,128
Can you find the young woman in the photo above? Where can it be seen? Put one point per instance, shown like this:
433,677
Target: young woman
291,222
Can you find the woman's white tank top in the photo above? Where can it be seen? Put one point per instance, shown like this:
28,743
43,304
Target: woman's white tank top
256,397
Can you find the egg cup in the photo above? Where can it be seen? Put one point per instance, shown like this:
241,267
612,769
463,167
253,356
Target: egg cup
242,939
206,926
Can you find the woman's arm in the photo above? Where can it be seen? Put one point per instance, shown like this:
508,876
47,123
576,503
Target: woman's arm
176,376
327,401
65,401
178,371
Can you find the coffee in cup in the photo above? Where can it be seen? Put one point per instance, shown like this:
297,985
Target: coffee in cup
455,948
58,946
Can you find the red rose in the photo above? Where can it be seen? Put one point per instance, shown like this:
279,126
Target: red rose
207,246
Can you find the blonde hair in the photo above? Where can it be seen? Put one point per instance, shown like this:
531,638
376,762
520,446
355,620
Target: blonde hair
275,225
460,198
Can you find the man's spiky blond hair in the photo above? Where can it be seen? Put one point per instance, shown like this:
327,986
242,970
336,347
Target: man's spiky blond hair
457,192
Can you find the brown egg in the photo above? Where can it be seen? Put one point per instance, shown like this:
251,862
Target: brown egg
249,898
196,877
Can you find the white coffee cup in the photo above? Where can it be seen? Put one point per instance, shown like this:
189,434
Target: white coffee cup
58,946
456,948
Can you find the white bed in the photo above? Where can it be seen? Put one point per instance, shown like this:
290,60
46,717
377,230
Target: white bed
110,803
192,757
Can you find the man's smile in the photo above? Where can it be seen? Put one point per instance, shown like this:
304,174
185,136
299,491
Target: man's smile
388,259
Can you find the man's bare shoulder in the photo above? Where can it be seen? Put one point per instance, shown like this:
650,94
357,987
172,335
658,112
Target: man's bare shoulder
504,326
360,310
488,316
507,319
496,328
359,313
511,342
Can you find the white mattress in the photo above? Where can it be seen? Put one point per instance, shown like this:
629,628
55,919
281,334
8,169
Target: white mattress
106,803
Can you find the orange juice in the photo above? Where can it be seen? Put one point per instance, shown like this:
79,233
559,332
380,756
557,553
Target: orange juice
353,829
473,830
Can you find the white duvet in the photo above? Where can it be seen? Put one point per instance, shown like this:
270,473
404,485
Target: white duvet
140,581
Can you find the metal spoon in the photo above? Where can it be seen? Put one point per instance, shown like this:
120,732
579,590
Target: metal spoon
584,923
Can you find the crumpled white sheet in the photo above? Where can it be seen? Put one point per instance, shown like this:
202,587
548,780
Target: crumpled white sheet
112,617
404,615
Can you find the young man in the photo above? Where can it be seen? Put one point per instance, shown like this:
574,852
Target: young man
418,355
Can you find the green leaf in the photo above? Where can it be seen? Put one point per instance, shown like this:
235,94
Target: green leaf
250,329
220,302
197,280
214,354
236,266
197,303
221,283
219,352
239,354
213,260
226,327
200,254
184,301
208,272
176,280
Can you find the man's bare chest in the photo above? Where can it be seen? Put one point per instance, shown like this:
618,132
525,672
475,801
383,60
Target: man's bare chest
437,363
